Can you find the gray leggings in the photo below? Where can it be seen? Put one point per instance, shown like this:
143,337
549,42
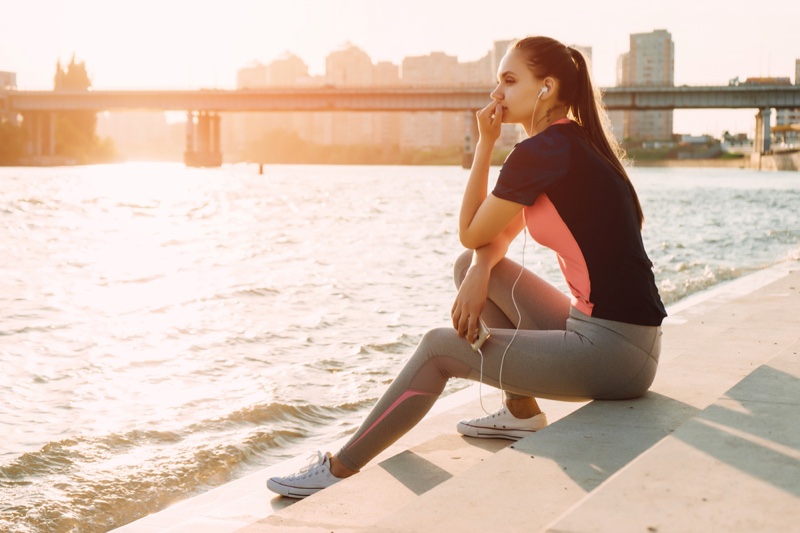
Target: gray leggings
559,353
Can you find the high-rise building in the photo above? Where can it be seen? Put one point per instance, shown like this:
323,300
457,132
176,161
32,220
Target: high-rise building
253,76
348,66
650,62
386,125
496,54
787,119
8,82
288,70
478,72
429,130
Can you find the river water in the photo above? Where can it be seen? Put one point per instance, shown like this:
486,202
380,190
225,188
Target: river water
164,330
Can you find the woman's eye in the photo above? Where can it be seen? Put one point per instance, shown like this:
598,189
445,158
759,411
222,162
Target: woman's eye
509,81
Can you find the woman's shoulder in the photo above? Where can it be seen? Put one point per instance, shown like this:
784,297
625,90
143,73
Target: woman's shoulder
554,141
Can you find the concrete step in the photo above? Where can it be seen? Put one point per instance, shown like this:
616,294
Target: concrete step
386,486
427,455
433,480
735,466
527,486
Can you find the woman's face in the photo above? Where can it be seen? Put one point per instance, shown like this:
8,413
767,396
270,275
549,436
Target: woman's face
517,89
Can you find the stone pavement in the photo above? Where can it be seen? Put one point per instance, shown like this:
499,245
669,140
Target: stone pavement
713,446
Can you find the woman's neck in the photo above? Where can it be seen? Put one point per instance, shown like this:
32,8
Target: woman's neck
549,115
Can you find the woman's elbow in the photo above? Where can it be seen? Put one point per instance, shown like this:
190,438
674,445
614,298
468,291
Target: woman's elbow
469,240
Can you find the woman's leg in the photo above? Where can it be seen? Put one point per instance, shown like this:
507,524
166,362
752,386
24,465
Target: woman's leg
585,361
535,305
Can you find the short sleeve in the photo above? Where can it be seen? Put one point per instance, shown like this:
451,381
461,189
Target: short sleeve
533,166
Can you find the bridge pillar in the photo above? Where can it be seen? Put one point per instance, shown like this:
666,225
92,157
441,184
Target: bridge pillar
40,127
189,133
203,140
470,138
766,135
762,143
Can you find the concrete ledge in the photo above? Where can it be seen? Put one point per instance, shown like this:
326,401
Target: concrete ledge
434,480
733,467
527,486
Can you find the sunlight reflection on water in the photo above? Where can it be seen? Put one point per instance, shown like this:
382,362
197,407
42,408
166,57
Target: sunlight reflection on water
165,328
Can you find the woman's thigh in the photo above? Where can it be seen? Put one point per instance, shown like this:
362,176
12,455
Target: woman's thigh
591,363
529,302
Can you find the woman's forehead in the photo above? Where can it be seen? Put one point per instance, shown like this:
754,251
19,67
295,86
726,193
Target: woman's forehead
512,63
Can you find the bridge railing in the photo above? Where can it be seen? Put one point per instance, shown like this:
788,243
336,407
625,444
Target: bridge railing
390,98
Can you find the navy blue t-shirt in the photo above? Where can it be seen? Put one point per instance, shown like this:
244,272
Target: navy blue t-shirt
580,206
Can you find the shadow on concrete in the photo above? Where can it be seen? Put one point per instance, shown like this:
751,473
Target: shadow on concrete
420,475
279,502
602,437
415,472
754,428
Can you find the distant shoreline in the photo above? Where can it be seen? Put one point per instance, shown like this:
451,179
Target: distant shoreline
693,163
667,163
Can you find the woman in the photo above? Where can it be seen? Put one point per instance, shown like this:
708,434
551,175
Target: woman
566,184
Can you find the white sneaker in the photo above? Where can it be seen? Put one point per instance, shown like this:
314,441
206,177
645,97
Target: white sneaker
502,425
311,479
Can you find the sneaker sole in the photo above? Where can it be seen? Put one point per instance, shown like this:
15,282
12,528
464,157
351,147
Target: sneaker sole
479,432
291,492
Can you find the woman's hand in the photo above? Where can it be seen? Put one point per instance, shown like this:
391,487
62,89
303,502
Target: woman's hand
470,301
490,122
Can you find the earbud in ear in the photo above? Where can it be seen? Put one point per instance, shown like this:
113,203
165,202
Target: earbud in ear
544,90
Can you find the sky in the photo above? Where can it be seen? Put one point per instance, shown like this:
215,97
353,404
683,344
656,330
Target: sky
191,44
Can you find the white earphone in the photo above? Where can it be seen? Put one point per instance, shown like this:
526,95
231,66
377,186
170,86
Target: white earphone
541,92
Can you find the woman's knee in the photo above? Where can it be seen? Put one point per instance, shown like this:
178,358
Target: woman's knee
461,266
437,339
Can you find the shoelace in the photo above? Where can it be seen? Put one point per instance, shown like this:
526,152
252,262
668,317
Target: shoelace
315,461
497,413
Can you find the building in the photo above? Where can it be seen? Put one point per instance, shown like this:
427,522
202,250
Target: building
649,62
499,49
426,129
8,82
786,120
287,70
440,129
253,76
350,66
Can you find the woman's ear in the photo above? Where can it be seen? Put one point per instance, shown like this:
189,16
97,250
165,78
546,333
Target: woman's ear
549,86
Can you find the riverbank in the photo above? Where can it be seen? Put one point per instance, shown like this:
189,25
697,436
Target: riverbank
712,447
170,329
693,163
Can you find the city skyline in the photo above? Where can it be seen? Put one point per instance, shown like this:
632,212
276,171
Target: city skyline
181,45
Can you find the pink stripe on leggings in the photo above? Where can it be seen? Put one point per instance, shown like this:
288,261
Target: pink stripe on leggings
407,394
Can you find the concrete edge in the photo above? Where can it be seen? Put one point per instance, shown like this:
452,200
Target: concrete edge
184,511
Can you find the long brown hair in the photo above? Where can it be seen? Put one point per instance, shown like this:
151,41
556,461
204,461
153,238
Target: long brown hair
548,57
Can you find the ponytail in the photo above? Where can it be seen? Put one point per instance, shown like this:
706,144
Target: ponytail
588,110
548,57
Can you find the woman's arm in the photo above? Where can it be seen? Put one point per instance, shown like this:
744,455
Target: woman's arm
483,216
473,291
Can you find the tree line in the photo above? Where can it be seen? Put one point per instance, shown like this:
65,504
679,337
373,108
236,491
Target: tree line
75,134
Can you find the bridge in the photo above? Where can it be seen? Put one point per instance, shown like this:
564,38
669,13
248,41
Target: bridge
204,106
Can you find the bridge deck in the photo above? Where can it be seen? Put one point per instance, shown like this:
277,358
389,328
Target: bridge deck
390,98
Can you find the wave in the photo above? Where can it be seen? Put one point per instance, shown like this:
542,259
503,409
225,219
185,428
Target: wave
97,483
397,347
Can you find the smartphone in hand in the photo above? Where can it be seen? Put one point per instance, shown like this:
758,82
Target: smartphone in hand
483,334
